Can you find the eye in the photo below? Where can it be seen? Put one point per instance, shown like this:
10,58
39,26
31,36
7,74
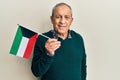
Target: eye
57,16
67,17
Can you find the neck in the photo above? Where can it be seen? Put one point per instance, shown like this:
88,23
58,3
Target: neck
63,36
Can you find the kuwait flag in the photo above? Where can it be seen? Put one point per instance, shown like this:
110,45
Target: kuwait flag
23,42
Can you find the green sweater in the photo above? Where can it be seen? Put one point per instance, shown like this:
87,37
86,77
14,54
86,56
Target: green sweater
68,63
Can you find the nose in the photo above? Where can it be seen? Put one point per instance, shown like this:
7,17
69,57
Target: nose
62,20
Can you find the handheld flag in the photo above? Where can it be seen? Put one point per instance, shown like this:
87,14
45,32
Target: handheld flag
23,42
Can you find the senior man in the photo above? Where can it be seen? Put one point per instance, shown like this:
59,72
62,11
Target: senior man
62,57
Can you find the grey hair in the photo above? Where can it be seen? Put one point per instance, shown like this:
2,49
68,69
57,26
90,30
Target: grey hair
59,4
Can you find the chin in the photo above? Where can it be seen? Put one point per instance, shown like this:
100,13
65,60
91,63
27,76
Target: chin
61,32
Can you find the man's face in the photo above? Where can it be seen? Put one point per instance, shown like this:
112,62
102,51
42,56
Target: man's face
62,19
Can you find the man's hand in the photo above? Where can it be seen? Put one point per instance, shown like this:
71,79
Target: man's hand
51,45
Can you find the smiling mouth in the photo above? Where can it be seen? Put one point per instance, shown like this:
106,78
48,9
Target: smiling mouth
61,26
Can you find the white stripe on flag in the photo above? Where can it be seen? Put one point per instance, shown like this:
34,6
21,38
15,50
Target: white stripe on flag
22,46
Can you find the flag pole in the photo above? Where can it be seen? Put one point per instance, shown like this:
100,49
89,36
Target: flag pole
44,35
38,33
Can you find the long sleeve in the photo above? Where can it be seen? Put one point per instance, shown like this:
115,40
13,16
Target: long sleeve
41,61
84,65
84,72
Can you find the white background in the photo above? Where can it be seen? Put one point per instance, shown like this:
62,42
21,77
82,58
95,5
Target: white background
98,21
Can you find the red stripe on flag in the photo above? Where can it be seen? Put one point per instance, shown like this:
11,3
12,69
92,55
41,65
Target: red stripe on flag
30,46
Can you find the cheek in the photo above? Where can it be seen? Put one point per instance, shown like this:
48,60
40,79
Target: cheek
55,22
70,22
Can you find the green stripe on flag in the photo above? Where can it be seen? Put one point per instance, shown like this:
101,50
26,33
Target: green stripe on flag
16,42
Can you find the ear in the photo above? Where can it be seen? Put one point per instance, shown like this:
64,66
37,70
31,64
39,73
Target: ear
72,20
51,18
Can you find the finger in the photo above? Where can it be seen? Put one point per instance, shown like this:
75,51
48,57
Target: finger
54,43
52,40
57,44
56,47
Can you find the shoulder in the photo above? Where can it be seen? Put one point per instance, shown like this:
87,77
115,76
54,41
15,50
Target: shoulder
77,38
76,35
